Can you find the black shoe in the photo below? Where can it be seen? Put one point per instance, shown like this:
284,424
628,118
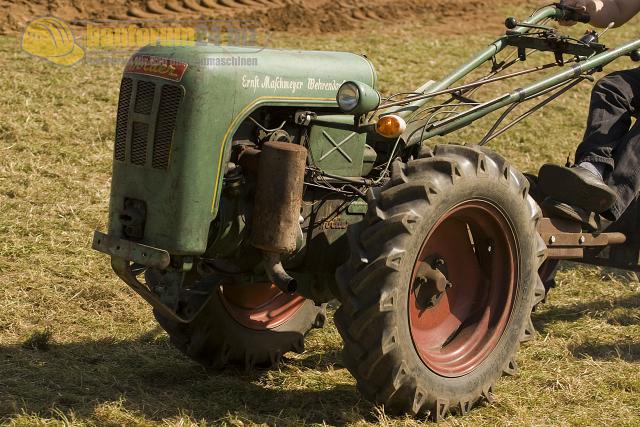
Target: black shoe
577,187
590,221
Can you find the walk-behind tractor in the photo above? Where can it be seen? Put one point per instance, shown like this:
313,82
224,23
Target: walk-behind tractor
244,198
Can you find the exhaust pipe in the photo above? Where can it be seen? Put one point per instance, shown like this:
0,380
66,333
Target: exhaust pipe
277,274
277,207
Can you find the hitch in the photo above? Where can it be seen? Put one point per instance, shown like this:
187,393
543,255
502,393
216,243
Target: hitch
565,239
125,270
126,249
128,259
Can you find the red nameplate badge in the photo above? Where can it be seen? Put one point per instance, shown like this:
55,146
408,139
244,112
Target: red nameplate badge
157,67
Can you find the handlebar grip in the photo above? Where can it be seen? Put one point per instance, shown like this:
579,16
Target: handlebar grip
578,16
570,13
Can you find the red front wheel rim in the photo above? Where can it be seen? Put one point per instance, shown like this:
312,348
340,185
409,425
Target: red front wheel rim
474,247
259,306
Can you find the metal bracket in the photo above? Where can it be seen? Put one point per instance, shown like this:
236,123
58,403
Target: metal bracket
555,44
123,268
522,54
136,252
304,118
565,239
559,58
126,255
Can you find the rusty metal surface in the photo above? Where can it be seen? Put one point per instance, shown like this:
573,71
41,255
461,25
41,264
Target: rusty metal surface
565,253
259,306
557,225
617,238
278,201
565,239
131,251
474,250
582,239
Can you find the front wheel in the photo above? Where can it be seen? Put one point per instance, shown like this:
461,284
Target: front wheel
251,325
438,292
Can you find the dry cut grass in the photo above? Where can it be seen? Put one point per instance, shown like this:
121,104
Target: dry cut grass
78,348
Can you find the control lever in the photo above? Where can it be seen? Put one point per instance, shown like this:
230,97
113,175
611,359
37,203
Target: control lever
511,23
592,36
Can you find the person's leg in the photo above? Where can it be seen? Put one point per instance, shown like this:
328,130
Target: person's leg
625,178
615,99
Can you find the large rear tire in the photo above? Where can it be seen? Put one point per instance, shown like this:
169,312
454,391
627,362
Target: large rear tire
249,326
462,213
549,268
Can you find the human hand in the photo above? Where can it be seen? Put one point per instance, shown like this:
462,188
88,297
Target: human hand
577,4
601,12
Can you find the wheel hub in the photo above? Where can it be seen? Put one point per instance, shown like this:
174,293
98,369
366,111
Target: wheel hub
431,283
463,288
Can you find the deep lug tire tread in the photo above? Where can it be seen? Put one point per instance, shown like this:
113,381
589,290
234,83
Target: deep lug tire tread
367,282
216,340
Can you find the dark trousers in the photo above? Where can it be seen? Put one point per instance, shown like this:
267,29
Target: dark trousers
610,138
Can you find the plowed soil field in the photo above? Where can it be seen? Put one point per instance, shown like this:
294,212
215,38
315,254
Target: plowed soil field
280,15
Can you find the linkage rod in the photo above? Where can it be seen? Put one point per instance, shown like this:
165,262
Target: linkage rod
491,135
469,85
454,123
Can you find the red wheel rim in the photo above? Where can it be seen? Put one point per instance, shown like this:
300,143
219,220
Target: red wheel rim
259,306
476,246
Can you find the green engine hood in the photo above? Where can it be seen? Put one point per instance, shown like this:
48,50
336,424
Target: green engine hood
221,87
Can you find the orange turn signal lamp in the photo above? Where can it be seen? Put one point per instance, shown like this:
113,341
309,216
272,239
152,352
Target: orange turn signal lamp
391,126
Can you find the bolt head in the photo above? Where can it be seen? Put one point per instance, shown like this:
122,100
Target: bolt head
438,263
552,239
420,281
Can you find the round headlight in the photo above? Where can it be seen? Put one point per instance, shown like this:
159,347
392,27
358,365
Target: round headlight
357,98
348,97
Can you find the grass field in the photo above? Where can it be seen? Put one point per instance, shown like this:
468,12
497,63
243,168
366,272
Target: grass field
79,348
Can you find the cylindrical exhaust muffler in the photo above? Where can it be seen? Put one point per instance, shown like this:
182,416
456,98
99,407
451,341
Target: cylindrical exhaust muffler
278,201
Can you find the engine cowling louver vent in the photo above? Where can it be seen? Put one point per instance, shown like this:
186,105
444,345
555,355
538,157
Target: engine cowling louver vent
123,119
146,123
145,92
170,99
139,135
